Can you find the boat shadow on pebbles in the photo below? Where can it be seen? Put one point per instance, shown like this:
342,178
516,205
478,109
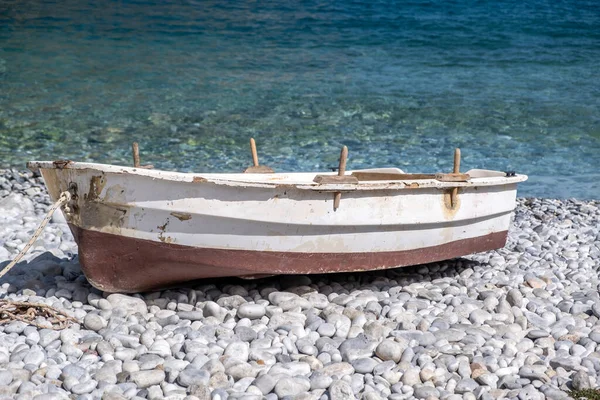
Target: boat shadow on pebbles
45,275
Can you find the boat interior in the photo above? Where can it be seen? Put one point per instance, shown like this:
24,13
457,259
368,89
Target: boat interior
261,174
355,176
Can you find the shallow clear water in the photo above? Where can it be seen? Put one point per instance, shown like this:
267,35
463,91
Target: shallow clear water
515,85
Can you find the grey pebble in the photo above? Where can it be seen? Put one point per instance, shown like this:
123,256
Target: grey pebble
537,333
245,333
364,365
108,375
289,386
94,322
358,347
320,381
85,387
326,329
478,317
241,370
451,335
581,380
15,327
34,357
145,379
467,385
424,392
73,371
251,311
265,383
130,304
6,377
568,364
389,350
191,315
514,298
238,350
193,376
595,336
488,380
340,390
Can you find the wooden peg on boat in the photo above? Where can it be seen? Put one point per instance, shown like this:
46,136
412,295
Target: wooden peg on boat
456,161
456,171
136,154
256,168
254,152
136,157
341,172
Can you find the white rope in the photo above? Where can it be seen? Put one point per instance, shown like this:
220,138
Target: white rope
64,198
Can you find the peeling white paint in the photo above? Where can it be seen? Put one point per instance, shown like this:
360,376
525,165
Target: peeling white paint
285,212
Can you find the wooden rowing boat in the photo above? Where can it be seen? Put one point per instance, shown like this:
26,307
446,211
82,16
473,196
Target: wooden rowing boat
141,229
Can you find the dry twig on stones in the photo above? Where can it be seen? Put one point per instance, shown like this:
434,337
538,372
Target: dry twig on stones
30,312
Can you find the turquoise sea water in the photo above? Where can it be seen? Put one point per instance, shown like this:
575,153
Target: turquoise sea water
515,84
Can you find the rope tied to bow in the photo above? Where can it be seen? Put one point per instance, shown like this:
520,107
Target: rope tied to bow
64,198
31,313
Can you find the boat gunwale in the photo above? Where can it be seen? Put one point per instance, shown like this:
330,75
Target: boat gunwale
228,179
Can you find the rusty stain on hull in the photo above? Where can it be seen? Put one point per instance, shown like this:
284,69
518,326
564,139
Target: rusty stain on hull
448,208
116,263
161,235
96,212
182,216
102,216
97,183
61,164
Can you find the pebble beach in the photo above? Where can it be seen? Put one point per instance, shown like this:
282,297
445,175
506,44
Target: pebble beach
522,322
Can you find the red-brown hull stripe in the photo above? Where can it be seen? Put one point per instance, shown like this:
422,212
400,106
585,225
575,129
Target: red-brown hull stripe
121,264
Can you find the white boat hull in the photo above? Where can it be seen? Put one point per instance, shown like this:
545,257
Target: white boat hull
138,230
